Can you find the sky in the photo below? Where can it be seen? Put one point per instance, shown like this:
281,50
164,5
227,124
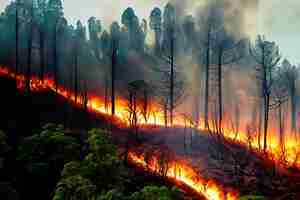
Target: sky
278,20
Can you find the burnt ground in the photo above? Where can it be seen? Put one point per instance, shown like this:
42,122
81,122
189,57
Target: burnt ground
230,164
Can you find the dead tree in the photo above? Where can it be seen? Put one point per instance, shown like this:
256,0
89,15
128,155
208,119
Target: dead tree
266,54
280,96
115,37
17,37
29,49
132,107
75,71
210,22
41,27
227,52
291,74
58,28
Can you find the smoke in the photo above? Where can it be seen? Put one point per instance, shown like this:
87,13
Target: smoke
240,16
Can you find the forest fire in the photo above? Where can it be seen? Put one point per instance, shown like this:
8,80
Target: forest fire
287,155
180,171
177,170
96,104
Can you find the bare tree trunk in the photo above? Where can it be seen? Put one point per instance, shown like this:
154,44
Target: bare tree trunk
42,55
293,110
113,65
76,87
145,105
17,38
172,80
29,52
106,95
267,103
220,97
55,59
280,125
166,114
259,125
207,81
85,97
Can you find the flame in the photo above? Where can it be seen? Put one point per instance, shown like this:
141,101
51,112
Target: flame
96,104
209,189
181,172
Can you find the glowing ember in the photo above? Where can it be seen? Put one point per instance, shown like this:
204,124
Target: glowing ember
181,172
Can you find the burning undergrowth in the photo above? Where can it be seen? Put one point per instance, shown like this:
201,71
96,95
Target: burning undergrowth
224,160
162,162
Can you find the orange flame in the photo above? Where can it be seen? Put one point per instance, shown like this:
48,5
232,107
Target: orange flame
96,104
183,173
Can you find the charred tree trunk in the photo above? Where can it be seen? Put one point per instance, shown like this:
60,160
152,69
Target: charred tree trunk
42,55
166,114
17,38
106,95
220,94
293,109
113,65
85,98
55,68
207,81
172,80
266,121
281,134
76,79
145,105
29,52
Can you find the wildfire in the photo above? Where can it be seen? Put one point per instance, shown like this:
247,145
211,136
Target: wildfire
183,173
156,117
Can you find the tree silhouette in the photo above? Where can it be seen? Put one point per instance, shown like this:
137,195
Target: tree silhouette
115,36
291,74
156,26
266,54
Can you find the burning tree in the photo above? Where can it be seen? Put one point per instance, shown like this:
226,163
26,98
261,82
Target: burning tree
138,103
41,24
115,37
29,46
55,14
266,54
172,84
280,95
210,24
226,52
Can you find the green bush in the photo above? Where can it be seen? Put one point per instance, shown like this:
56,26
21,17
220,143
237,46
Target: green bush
157,193
252,197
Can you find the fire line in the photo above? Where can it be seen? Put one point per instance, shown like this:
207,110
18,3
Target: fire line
96,104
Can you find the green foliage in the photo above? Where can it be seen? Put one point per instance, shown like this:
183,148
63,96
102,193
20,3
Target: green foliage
100,170
252,197
49,149
51,145
111,195
100,146
75,188
157,193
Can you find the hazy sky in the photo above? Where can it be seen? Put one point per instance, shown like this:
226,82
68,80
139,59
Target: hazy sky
278,19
